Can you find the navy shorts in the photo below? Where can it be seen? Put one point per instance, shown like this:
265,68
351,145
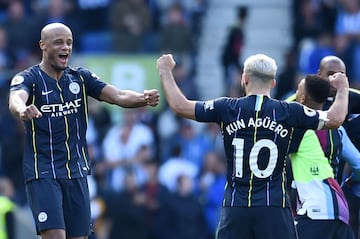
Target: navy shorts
60,204
324,229
256,223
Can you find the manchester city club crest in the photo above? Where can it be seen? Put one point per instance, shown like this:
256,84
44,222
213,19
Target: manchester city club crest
74,87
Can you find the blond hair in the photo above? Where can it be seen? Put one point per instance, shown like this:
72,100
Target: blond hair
260,66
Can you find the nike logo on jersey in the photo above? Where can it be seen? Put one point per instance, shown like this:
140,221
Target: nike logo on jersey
46,92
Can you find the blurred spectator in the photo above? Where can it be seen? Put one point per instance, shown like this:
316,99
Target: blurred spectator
306,20
130,20
322,46
328,13
212,183
175,34
18,27
212,133
123,148
7,222
185,81
286,82
168,118
186,214
50,11
193,143
157,196
7,57
175,166
126,210
236,90
348,38
198,11
11,157
232,50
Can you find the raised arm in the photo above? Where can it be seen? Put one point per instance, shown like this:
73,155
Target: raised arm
129,98
338,110
18,107
175,98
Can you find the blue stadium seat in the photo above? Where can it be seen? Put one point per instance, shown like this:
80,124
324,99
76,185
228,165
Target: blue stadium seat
96,42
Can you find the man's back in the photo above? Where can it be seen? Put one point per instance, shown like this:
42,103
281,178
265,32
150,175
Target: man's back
257,132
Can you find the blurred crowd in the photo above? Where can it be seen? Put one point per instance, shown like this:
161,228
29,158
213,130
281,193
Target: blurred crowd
155,175
320,28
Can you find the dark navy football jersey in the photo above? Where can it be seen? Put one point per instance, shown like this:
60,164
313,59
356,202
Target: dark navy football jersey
354,102
55,145
257,133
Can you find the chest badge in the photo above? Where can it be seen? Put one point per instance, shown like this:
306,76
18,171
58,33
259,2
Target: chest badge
74,87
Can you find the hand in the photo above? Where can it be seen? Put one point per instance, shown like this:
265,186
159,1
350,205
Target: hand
152,97
30,112
339,81
165,63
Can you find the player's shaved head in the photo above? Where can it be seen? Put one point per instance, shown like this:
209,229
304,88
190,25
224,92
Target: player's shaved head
56,45
52,28
332,63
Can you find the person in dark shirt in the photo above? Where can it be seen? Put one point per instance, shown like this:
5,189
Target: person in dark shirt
51,99
257,132
322,210
233,48
330,65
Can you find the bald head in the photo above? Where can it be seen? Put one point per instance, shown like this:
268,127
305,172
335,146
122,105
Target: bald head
330,65
53,28
56,44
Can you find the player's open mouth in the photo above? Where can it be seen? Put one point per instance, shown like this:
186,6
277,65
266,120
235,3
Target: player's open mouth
63,57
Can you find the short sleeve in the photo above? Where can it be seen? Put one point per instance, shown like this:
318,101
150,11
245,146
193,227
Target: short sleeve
304,117
93,83
21,82
209,111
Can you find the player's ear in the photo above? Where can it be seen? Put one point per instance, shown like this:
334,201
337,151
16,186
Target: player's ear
302,98
273,83
42,45
244,79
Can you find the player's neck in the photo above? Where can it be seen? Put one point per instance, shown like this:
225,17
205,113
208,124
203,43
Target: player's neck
51,71
258,92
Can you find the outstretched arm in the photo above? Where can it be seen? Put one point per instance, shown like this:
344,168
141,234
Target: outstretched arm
129,98
18,107
175,98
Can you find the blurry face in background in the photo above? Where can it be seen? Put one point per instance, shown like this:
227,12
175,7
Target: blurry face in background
350,6
185,185
330,68
16,10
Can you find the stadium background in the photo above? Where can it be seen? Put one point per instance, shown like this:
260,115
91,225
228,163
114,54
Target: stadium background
120,41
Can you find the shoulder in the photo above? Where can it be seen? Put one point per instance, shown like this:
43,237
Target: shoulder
354,92
28,74
82,72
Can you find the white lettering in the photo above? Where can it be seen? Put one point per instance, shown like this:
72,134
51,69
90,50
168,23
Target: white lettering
265,123
58,110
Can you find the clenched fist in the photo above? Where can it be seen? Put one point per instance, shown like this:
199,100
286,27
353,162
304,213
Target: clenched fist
165,63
